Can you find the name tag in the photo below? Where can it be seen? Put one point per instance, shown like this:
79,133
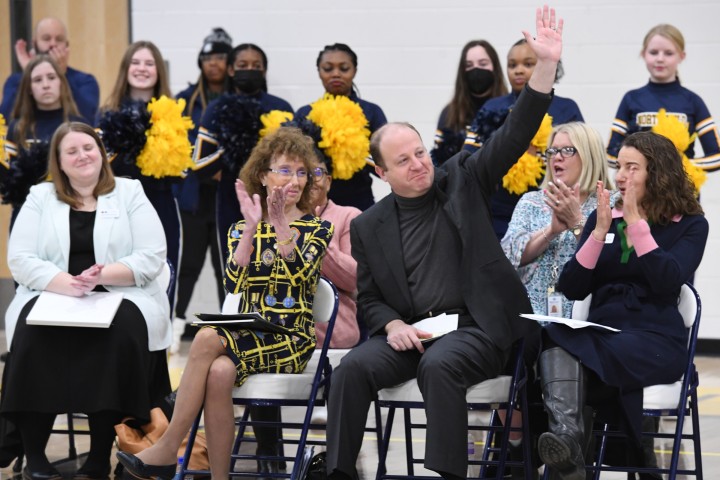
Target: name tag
609,237
109,213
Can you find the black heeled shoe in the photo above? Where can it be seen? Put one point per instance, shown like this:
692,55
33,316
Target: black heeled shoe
49,475
138,469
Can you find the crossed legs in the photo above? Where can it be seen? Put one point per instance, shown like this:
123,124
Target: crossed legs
208,379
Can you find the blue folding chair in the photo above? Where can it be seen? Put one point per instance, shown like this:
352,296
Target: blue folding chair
677,400
505,393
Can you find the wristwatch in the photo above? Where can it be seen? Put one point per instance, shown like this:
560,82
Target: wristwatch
578,227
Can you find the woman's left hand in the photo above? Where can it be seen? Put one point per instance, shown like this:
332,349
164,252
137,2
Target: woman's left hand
276,205
88,279
565,204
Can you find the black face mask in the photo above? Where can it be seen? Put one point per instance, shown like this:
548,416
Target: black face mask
249,81
479,80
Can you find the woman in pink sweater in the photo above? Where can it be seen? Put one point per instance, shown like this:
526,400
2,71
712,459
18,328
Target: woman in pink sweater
338,265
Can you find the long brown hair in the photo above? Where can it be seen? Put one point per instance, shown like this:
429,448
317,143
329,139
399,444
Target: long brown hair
25,104
461,109
121,90
65,192
289,141
668,189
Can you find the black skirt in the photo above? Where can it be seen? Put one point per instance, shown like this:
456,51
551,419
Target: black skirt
84,370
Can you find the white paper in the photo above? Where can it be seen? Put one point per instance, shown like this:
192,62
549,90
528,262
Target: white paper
570,322
94,310
438,326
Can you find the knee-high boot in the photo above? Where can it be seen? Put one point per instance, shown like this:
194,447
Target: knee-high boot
563,386
268,438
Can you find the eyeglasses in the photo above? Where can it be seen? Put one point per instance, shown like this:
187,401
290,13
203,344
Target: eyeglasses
319,173
287,173
565,152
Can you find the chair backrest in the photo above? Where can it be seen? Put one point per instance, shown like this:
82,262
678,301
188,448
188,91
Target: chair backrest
325,302
231,304
688,306
166,277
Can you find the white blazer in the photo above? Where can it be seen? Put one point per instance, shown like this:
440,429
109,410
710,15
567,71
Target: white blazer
127,230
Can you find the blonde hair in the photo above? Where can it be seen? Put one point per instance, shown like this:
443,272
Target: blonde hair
667,31
589,145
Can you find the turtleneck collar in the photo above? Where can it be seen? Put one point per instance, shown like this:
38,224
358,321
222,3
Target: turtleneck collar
416,203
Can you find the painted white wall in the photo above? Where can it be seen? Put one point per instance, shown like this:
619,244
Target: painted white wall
408,51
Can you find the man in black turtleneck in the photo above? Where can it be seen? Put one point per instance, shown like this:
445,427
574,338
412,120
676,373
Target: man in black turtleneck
429,248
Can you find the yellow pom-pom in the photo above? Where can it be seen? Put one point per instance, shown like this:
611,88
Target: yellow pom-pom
696,174
541,137
673,129
345,136
525,173
677,132
167,151
272,120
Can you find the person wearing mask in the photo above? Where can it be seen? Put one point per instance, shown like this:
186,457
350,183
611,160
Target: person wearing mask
337,66
196,196
479,78
521,62
50,37
229,130
44,102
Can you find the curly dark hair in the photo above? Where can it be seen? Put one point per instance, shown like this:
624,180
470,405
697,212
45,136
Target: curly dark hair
668,189
289,141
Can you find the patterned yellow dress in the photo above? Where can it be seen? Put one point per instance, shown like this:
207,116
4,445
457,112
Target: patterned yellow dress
282,289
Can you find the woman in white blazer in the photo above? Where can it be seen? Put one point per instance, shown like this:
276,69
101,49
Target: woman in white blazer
86,231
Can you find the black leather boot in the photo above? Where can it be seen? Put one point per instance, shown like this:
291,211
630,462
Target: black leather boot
268,440
563,386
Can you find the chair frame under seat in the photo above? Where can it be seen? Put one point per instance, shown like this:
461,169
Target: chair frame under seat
318,383
686,404
515,399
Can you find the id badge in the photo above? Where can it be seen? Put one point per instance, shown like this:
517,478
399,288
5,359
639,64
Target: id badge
554,303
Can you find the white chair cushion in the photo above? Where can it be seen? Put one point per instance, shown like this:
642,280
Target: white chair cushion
494,390
287,385
277,386
662,397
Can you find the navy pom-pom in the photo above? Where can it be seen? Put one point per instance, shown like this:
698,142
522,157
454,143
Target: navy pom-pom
487,121
28,169
312,130
123,133
452,143
236,123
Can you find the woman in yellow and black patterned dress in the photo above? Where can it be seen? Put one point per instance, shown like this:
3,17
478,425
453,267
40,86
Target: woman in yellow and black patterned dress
276,269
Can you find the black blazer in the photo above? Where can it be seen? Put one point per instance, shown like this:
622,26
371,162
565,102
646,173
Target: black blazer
493,292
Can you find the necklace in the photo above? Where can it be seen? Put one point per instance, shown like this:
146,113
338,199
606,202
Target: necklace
323,209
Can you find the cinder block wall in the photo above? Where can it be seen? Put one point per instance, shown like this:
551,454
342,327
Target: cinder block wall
408,51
